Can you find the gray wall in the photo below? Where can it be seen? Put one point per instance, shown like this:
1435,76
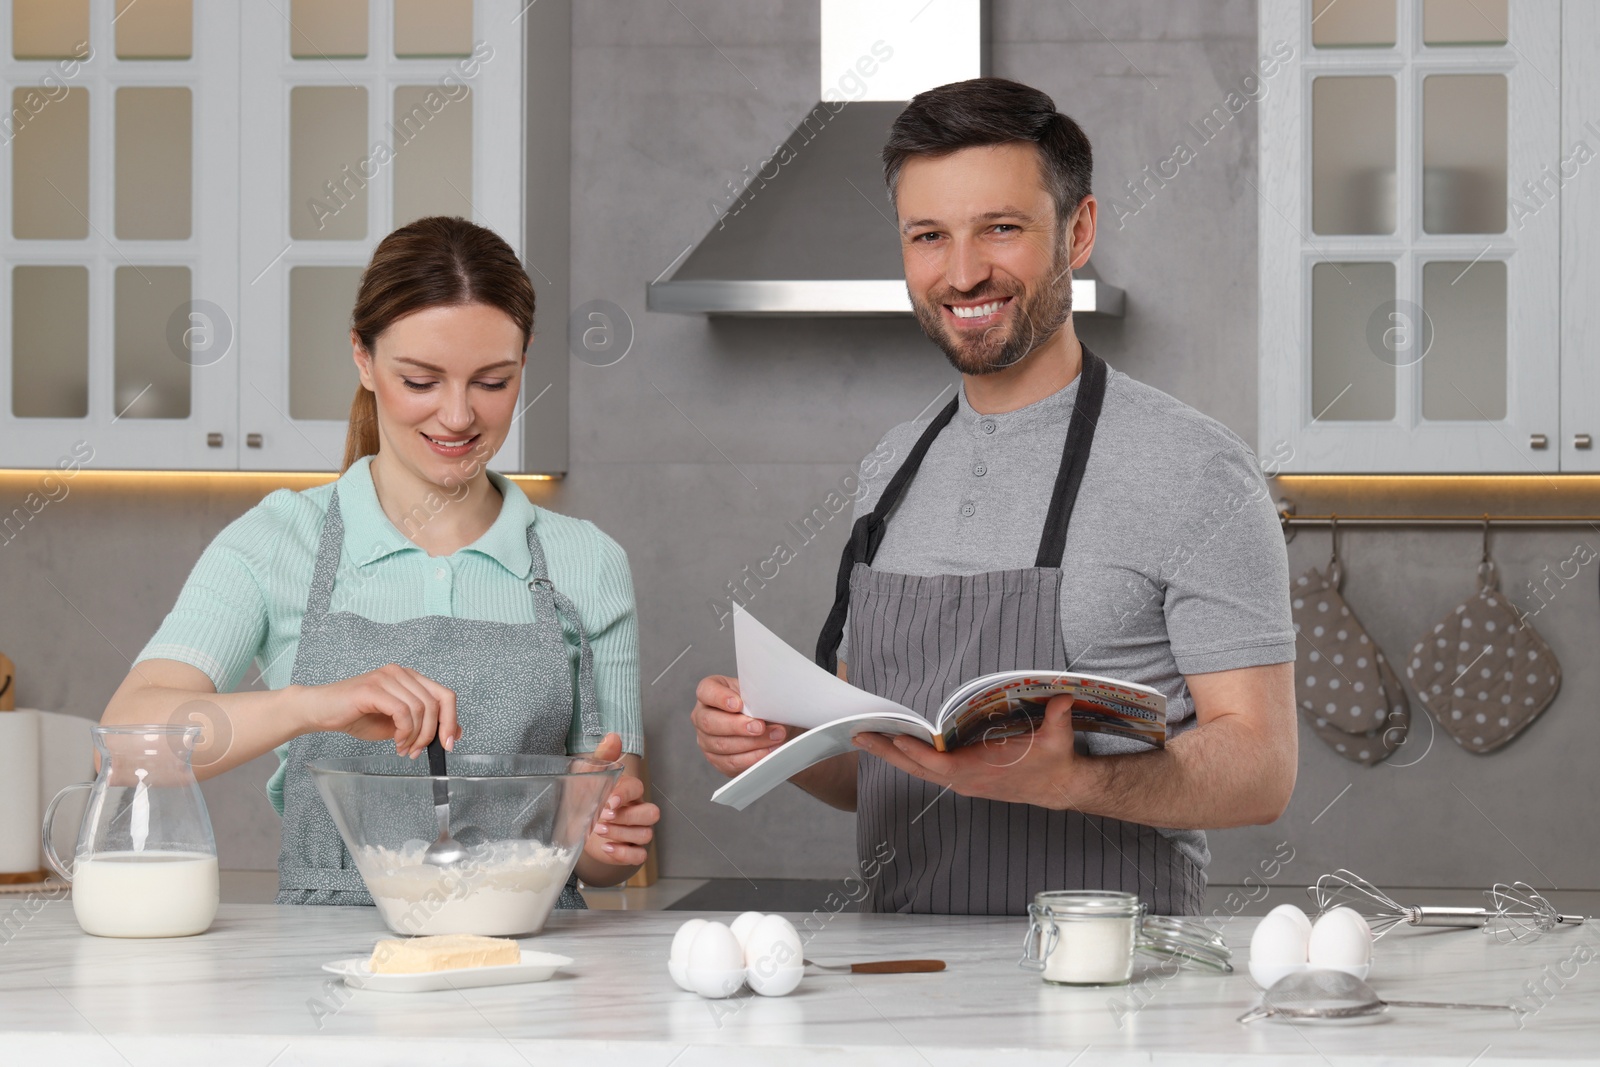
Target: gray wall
661,121
85,584
696,448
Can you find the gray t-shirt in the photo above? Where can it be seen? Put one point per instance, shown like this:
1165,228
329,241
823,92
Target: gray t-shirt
1175,560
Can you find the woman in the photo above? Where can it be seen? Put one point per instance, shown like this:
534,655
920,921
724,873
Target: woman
419,594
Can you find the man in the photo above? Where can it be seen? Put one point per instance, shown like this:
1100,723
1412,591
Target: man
1055,514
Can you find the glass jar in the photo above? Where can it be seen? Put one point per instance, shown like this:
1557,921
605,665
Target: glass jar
1089,936
1082,936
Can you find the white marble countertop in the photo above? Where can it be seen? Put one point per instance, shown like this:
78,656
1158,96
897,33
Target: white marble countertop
251,992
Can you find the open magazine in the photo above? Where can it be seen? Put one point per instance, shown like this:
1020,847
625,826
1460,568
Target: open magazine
779,684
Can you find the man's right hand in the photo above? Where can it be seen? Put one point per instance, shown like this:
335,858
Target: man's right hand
731,740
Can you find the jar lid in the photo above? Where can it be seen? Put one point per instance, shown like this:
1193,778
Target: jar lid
1087,903
1186,940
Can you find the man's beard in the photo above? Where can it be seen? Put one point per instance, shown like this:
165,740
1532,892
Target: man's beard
1037,316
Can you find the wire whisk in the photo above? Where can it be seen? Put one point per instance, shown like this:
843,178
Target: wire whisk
1519,912
1345,888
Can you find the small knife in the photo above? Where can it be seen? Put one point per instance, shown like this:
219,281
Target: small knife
880,967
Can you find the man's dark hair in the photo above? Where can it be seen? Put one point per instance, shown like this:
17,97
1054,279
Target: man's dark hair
988,111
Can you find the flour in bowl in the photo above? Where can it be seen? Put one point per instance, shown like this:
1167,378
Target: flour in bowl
503,887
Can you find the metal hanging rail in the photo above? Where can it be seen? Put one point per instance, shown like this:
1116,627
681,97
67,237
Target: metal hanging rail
1291,520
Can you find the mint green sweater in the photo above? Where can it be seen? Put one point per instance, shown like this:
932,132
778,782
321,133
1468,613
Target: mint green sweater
245,597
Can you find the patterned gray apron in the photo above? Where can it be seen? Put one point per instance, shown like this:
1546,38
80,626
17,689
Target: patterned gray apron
513,686
914,639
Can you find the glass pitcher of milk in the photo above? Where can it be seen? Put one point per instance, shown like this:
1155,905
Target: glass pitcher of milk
146,861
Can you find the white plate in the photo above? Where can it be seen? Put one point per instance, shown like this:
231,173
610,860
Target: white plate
535,967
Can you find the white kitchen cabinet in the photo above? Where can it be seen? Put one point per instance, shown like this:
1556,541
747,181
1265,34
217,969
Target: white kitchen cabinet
182,301
348,147
1577,173
118,235
1411,274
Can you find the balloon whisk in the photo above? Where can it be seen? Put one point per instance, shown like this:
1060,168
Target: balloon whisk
1347,889
1519,912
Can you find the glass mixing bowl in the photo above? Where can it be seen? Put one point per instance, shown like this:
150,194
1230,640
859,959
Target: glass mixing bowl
522,819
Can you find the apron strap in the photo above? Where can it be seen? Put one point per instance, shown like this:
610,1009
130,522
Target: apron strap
329,546
867,534
1074,458
907,471
540,583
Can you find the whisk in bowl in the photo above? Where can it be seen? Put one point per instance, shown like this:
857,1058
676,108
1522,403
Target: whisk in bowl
1519,912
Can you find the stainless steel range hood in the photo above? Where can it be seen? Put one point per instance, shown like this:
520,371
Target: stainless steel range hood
819,237
813,232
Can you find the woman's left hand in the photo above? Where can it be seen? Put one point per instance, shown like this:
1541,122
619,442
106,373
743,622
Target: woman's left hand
626,820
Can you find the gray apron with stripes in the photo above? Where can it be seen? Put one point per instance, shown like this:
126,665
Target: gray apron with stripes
513,687
914,639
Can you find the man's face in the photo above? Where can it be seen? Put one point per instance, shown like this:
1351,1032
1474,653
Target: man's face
986,266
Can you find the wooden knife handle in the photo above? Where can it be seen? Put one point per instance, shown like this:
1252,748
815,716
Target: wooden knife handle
897,967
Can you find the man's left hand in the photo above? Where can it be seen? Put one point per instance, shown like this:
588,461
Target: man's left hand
1038,768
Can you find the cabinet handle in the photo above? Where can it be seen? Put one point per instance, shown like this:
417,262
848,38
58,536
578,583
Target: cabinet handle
252,440
1582,440
1538,441
214,440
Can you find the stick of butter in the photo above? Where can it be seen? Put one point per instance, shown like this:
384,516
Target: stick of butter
443,952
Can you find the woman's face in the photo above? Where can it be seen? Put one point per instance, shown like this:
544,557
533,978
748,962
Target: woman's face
446,381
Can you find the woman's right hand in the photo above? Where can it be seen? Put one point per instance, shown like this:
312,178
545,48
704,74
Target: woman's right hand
390,702
731,740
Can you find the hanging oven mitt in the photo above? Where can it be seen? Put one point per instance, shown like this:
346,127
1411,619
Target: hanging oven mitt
1483,672
1344,687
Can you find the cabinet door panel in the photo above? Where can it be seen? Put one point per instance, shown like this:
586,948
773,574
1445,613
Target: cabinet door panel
1471,119
324,212
1580,252
158,282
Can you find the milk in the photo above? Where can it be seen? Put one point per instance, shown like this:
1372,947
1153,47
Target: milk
145,894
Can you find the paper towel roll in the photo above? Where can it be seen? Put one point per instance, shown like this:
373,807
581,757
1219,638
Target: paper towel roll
19,792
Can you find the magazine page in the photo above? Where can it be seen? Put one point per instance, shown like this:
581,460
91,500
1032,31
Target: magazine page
1005,705
779,684
810,748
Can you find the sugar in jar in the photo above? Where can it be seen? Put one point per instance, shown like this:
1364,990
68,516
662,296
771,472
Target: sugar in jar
1082,936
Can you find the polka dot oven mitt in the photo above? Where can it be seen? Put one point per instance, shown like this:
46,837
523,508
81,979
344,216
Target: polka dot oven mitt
1346,691
1483,672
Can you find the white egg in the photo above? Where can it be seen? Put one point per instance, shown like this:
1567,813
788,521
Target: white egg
678,956
742,926
780,983
773,942
715,948
772,957
1278,941
1300,918
1340,939
1359,921
716,985
715,964
682,939
1266,975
